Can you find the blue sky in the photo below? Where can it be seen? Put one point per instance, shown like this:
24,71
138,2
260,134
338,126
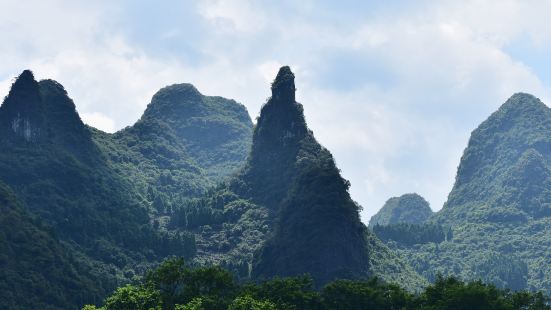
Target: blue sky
392,88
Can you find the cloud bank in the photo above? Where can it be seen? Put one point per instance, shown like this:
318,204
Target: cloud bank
393,89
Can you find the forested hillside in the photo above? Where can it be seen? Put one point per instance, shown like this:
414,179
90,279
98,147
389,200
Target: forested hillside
106,196
408,208
60,176
499,209
36,269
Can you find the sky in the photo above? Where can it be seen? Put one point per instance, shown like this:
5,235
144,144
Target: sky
392,88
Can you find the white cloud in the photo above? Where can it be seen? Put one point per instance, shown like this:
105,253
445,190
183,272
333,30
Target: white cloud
236,14
98,120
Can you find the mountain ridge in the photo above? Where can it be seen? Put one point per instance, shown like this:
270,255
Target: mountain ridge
499,208
106,202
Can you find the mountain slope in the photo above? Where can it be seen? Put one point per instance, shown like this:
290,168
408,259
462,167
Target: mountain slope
63,178
509,140
288,211
408,208
216,132
36,270
500,206
183,144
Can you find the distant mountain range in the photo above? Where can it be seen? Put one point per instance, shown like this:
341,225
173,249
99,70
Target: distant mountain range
190,179
84,211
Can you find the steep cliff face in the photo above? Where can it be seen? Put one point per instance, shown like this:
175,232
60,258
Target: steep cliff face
22,113
42,113
406,209
63,177
279,138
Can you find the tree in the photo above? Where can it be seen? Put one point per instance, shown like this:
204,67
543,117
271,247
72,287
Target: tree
372,294
249,303
132,297
450,293
168,279
286,293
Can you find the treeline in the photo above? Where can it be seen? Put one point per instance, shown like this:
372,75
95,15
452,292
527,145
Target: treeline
410,234
175,286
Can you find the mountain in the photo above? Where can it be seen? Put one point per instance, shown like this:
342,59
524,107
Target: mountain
309,198
184,144
505,166
107,197
62,178
288,211
500,206
408,209
215,132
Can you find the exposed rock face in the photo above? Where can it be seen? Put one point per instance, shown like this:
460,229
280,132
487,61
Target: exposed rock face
42,112
288,212
279,136
21,114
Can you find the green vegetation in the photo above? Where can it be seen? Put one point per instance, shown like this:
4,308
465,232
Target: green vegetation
109,197
411,234
288,211
37,271
175,286
316,227
71,188
406,209
85,212
500,206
